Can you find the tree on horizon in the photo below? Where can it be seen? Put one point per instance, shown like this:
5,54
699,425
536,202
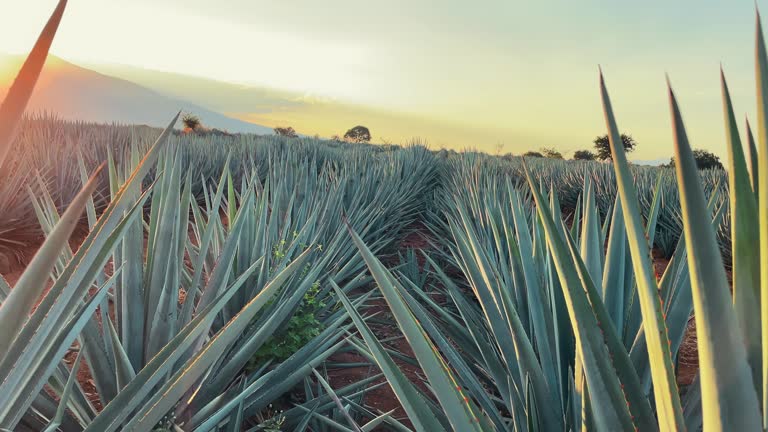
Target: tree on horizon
191,121
583,155
603,146
704,160
358,134
286,132
533,154
551,153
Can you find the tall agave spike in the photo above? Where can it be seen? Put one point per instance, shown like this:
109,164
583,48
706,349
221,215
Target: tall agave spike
662,371
728,400
761,75
746,261
18,95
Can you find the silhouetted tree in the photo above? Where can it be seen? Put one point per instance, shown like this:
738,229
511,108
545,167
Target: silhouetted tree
583,155
286,132
704,160
533,154
603,146
358,134
191,121
551,153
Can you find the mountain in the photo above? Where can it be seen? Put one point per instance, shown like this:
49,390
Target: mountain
218,95
74,92
133,95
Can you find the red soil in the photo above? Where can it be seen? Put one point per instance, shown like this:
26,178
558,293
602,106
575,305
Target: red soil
382,398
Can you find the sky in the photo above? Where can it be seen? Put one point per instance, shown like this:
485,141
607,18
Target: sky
493,75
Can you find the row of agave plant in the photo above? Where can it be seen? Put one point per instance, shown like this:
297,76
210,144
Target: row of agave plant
280,240
556,327
567,179
45,146
172,294
172,330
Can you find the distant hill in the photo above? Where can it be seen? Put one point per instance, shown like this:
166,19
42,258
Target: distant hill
220,96
653,162
74,92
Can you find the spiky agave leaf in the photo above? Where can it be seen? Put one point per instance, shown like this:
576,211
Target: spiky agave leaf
461,413
728,399
413,402
31,284
761,189
660,357
744,229
18,95
609,405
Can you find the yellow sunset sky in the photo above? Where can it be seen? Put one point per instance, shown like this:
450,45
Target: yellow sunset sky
513,74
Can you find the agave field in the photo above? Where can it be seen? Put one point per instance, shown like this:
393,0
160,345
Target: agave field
226,283
55,151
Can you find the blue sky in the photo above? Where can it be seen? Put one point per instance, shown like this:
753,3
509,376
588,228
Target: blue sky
522,73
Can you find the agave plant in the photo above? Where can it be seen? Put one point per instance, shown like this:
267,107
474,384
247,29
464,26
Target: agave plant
229,272
568,177
499,357
169,335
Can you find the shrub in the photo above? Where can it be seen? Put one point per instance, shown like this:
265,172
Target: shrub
300,329
286,132
191,122
533,154
583,155
551,153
